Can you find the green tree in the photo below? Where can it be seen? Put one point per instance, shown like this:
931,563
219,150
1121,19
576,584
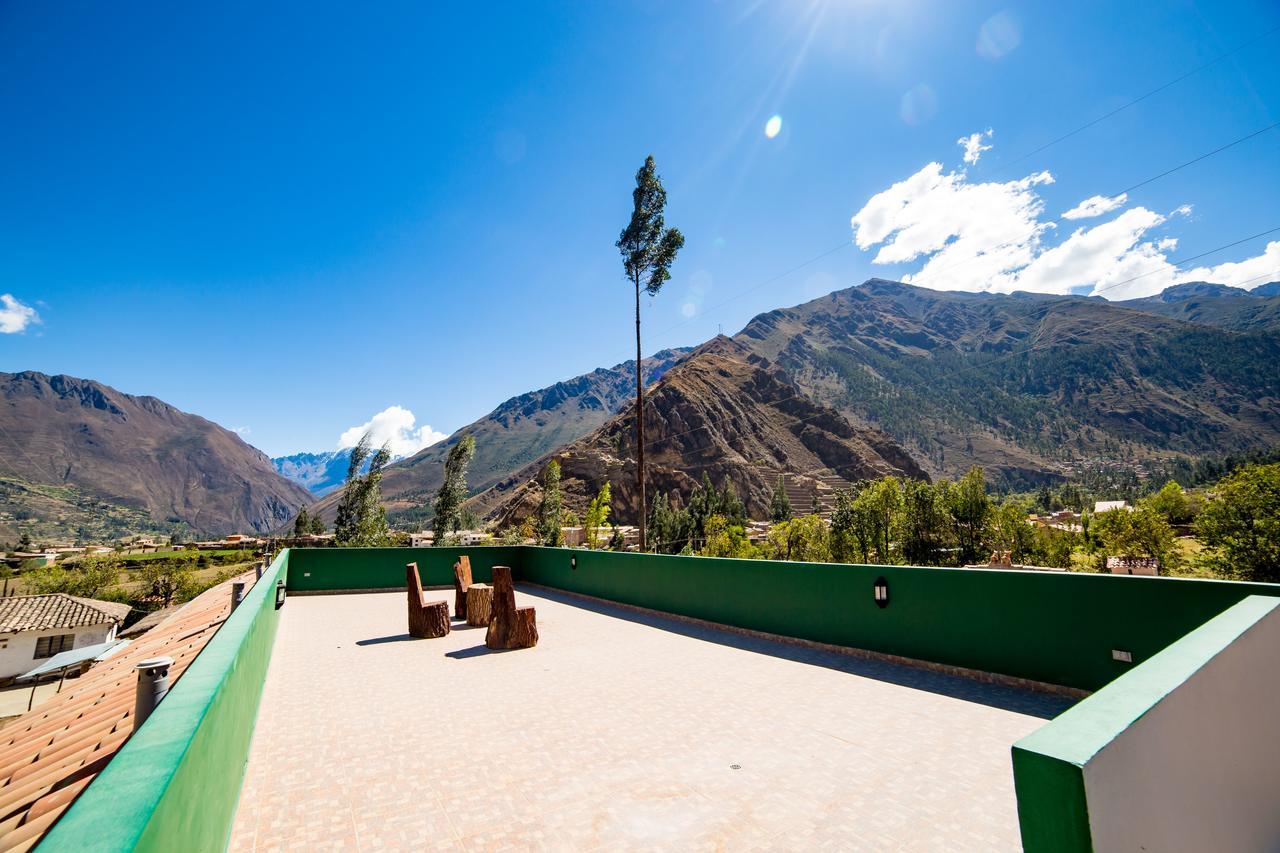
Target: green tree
877,506
597,514
169,580
89,577
726,539
302,524
24,542
805,539
453,491
921,524
1012,532
969,509
1172,503
780,504
1141,532
648,249
666,526
362,520
731,505
316,525
847,542
1240,523
548,528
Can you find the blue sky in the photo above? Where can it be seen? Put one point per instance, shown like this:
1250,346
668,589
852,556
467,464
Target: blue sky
289,219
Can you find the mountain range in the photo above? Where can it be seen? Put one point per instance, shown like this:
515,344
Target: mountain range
1028,385
723,413
882,377
517,432
74,452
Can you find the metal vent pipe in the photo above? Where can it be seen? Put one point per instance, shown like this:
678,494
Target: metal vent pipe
153,684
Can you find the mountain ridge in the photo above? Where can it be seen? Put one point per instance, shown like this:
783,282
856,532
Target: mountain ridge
140,453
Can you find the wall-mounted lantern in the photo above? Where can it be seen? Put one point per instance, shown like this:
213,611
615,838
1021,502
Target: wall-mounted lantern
882,593
279,594
573,562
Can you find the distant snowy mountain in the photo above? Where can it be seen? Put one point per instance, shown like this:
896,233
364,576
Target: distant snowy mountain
318,473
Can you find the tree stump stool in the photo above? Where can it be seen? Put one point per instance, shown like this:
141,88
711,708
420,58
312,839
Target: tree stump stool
479,605
427,619
461,581
510,627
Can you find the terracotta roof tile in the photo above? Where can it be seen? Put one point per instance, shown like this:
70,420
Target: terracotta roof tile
50,754
58,610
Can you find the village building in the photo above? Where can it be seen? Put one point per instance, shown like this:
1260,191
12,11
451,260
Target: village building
34,628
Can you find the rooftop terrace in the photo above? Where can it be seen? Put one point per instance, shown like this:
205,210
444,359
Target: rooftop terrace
816,706
619,730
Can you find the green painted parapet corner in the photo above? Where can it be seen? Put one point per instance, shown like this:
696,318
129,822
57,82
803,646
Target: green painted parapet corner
329,569
1054,767
175,784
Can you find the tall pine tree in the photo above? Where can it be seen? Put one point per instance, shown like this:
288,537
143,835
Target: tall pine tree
648,249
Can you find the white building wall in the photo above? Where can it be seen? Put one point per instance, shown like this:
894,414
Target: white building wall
1200,770
17,651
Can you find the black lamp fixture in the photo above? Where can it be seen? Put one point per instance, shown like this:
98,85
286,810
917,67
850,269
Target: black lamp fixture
279,594
573,562
882,593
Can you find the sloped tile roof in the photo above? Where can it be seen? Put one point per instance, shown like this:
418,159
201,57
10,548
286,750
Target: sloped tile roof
49,755
59,610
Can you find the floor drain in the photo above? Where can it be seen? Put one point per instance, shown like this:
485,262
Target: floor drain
735,766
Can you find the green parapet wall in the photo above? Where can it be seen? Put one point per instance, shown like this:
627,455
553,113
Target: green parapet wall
1058,628
1057,773
175,784
330,569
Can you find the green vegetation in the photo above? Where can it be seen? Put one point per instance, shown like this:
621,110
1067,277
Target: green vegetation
952,523
65,513
306,524
648,250
453,491
780,504
89,577
675,529
549,512
1240,523
362,520
144,581
597,515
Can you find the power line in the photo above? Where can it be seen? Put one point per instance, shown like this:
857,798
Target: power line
1098,290
1128,190
1143,97
986,252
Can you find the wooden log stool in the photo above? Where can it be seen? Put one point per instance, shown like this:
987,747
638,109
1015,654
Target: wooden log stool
427,619
479,605
510,627
461,581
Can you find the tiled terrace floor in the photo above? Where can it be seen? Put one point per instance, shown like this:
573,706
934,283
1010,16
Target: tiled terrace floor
619,731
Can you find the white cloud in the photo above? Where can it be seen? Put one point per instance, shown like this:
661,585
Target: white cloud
15,316
241,430
973,146
394,425
1096,205
1248,273
992,236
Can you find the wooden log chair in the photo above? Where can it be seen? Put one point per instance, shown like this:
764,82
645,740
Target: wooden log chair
461,583
427,619
510,627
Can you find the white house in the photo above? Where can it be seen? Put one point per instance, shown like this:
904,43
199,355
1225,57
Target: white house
1108,506
34,628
